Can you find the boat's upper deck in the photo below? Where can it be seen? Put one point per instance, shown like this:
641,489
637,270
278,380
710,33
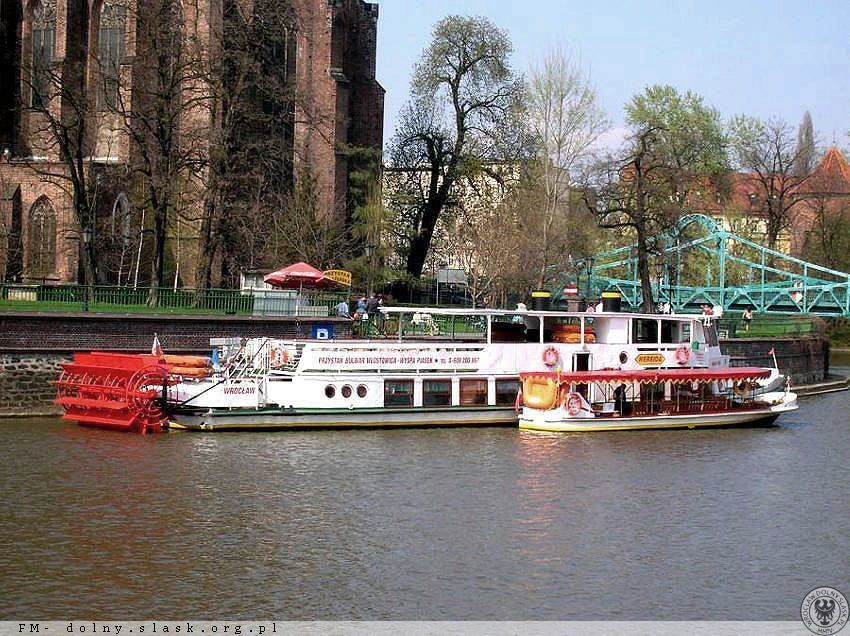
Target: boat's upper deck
517,325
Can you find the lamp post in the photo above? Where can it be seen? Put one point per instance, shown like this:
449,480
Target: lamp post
588,263
87,238
659,270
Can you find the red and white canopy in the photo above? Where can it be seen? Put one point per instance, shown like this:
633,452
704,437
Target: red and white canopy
652,376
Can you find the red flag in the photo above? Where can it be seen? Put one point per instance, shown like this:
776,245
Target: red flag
156,348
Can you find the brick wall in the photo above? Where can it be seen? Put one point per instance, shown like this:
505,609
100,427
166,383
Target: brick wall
28,332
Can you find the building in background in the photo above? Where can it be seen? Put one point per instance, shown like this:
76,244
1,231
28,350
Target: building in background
60,58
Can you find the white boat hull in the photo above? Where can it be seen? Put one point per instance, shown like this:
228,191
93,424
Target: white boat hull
557,420
282,419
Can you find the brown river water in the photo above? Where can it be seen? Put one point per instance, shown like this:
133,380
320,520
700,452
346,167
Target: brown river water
734,524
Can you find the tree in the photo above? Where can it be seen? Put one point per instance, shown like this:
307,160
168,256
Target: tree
805,152
465,102
565,120
767,153
828,241
161,112
249,131
677,145
61,114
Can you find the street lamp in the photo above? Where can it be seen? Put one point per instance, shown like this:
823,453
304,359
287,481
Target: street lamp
588,263
87,238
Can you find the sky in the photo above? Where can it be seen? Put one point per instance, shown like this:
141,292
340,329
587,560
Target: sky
772,59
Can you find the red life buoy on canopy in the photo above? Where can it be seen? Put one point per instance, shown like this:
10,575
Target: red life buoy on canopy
683,354
573,404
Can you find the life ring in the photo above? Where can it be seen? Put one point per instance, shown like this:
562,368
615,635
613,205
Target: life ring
550,356
278,357
573,404
683,354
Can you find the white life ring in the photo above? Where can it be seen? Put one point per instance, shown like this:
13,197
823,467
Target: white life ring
683,354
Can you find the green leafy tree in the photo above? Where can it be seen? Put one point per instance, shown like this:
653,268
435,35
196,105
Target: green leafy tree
463,113
677,146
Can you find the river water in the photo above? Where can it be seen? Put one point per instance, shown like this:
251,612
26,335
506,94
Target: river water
735,524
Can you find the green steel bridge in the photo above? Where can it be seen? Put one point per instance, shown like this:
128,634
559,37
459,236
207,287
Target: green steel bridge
701,263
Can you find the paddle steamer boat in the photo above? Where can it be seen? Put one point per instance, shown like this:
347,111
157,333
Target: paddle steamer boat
467,377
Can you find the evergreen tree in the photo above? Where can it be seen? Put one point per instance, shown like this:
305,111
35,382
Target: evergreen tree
805,147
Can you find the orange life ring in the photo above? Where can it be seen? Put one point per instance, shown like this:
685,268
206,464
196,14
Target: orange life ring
278,357
551,356
683,354
573,404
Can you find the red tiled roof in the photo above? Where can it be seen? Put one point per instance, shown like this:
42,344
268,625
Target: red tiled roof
830,176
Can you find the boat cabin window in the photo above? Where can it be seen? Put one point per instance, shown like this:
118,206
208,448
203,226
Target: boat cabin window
684,332
398,392
436,393
644,330
506,391
473,392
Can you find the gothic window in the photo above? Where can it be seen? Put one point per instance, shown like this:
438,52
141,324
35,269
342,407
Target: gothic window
120,221
43,47
41,252
113,18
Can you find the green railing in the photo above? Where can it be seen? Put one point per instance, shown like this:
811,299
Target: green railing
769,326
420,324
113,299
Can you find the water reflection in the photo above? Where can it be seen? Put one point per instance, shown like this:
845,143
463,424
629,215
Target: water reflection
436,524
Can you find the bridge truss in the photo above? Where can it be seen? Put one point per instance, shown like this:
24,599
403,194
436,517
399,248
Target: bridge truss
700,263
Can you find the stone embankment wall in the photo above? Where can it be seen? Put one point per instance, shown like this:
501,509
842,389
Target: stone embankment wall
26,382
33,346
806,359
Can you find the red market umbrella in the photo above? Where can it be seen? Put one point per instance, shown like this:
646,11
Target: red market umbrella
299,275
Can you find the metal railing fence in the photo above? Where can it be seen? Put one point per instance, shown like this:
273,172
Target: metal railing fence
115,299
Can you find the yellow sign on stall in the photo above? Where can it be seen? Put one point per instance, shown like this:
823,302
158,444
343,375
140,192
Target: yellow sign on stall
343,277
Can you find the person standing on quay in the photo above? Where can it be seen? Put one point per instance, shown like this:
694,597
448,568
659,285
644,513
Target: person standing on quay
747,318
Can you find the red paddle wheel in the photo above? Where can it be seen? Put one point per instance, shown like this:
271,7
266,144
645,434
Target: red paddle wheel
114,390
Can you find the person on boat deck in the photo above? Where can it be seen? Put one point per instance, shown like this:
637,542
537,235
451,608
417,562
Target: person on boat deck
519,307
342,309
621,404
371,305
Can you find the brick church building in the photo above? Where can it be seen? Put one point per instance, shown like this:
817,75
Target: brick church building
329,60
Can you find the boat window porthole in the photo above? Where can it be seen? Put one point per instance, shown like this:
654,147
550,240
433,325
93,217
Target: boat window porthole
346,391
361,391
330,391
623,357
